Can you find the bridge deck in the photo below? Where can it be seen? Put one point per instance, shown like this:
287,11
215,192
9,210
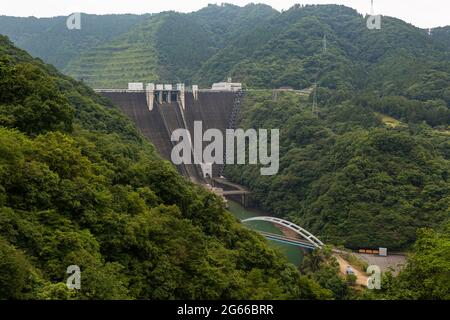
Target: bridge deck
236,192
288,240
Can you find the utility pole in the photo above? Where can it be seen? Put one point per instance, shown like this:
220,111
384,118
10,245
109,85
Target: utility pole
324,43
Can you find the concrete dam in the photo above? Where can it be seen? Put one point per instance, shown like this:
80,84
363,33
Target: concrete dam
158,111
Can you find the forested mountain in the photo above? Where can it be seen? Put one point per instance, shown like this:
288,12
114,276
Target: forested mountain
80,186
50,40
371,164
167,47
345,174
368,167
254,44
111,50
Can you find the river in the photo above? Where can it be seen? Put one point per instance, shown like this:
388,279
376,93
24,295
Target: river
293,253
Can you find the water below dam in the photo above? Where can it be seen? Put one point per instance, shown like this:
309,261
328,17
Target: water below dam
293,253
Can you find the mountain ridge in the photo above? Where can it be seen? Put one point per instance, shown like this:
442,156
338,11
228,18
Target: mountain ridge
224,41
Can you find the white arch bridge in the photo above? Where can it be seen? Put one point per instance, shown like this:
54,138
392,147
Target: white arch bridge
308,240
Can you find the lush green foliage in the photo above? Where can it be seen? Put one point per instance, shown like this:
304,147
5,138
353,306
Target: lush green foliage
254,44
111,50
31,103
352,179
49,38
88,190
323,267
427,274
346,173
347,177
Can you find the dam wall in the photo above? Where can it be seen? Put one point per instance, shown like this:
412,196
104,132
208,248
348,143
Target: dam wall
157,121
151,124
172,115
213,109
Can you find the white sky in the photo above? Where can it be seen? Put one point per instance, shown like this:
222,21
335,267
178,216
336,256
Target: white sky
422,13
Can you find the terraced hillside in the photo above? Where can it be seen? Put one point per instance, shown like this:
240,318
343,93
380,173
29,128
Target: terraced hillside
50,40
168,46
131,57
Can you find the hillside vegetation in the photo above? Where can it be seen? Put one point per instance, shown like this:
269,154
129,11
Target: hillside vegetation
50,40
345,175
254,44
369,167
427,274
354,180
80,186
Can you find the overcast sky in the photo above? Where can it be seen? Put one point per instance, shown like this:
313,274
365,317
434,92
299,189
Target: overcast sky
422,13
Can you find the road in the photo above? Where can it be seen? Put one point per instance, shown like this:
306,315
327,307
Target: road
392,261
361,278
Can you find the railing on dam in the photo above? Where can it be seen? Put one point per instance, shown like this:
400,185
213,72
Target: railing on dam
144,90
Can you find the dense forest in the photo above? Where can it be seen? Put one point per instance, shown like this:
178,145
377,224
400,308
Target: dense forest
346,175
369,166
359,178
255,44
49,38
427,274
80,186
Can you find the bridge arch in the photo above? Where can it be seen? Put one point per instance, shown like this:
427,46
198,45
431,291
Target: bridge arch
292,226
